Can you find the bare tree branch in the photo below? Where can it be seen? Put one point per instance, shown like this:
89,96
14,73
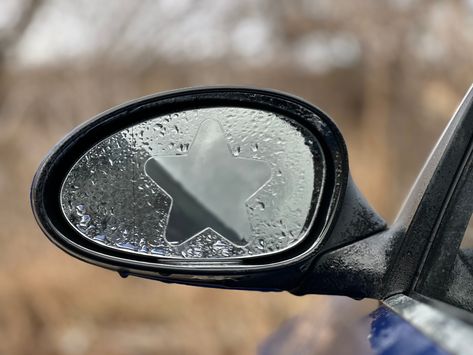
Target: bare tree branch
12,35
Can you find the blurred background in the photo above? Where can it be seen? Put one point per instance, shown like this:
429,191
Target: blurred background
390,73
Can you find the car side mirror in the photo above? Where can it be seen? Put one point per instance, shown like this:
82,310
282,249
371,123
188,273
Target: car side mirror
222,187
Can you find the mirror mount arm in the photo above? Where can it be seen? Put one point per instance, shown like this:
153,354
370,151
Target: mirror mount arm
357,270
353,262
355,221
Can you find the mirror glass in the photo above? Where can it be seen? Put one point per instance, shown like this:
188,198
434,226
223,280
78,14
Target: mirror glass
206,183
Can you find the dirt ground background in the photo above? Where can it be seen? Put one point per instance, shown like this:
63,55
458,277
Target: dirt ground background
390,73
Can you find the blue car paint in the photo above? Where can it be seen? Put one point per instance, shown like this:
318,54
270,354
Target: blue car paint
392,335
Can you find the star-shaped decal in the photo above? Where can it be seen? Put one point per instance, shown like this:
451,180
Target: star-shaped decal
209,187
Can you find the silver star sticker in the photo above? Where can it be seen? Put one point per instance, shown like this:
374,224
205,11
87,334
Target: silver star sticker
209,187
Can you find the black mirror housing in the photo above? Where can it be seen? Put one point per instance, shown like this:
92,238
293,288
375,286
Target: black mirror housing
305,161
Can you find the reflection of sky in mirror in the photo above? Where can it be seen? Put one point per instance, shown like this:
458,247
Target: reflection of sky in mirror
219,183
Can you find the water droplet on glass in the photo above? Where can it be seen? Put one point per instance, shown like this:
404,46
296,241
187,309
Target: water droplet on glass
183,148
218,245
84,221
100,237
126,245
161,251
80,209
